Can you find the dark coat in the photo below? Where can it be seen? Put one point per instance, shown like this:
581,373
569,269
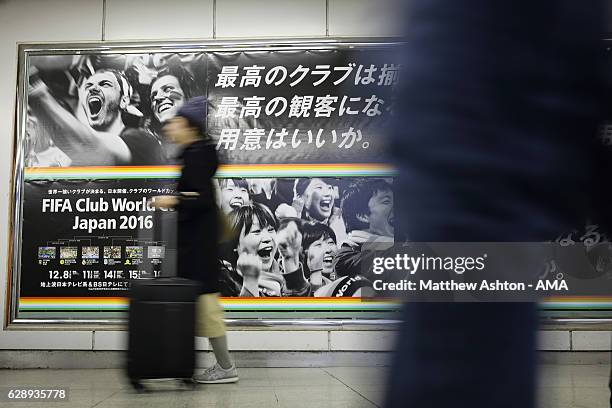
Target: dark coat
499,113
197,219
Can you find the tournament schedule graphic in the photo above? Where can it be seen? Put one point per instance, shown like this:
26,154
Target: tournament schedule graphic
93,245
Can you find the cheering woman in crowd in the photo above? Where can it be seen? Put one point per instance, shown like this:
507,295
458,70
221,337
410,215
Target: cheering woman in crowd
264,257
314,200
318,252
232,193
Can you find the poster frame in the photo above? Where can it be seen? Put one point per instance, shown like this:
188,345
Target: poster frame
568,316
28,49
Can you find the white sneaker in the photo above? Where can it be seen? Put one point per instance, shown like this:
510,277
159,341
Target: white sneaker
217,375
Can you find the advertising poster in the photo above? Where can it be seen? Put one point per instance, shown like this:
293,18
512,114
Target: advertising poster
300,134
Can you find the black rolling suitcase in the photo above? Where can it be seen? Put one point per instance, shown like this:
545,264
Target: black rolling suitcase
162,315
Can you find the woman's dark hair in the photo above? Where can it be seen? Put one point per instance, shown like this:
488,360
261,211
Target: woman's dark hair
184,77
240,218
303,183
313,231
238,182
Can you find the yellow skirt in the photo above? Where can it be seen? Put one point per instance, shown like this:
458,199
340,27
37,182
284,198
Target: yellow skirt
210,321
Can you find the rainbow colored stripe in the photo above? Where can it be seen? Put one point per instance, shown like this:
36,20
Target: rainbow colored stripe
224,171
577,302
28,304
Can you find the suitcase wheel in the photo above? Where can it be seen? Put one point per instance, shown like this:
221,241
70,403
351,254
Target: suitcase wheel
138,386
189,383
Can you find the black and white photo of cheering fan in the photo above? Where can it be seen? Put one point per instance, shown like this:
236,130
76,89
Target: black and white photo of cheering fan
94,134
169,89
232,193
315,200
367,209
319,248
248,263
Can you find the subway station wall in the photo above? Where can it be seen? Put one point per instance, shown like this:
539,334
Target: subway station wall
119,20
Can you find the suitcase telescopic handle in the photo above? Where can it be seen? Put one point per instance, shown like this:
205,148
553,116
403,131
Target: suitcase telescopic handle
164,232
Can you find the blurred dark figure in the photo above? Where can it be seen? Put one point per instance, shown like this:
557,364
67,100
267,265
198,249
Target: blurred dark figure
500,106
198,230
